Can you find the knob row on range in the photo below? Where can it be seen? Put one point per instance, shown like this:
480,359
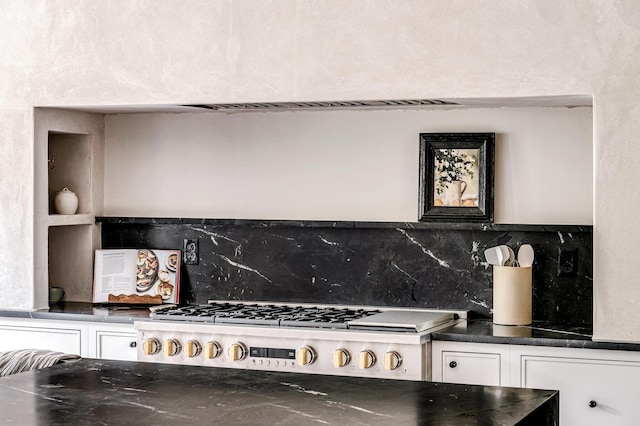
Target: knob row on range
341,358
193,348
305,355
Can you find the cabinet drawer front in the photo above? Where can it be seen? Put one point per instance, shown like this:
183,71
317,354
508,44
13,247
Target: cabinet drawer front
113,345
53,339
471,368
592,392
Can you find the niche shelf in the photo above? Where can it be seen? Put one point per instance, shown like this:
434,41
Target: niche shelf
69,162
69,151
70,253
71,219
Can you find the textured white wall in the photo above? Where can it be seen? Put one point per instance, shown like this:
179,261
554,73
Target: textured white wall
63,52
339,165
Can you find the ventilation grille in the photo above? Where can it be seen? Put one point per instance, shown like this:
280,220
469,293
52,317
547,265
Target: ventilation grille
334,104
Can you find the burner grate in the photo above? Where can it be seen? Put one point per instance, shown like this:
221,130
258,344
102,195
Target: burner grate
270,315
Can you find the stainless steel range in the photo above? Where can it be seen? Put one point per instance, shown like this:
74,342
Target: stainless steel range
377,342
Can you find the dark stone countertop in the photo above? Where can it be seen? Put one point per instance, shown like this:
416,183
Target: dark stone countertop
81,311
537,334
118,392
474,331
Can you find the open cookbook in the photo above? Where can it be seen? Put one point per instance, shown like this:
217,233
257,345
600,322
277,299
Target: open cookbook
136,276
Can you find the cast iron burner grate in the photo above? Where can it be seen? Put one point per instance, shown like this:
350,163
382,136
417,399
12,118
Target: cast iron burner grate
272,315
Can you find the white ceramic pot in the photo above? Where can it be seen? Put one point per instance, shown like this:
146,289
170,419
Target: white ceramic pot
453,193
66,202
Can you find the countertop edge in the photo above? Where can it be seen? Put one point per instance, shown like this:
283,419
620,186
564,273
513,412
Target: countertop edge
558,337
113,315
125,315
532,341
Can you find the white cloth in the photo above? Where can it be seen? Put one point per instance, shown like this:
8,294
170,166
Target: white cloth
18,361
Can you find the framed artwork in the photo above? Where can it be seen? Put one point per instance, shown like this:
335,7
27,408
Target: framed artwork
456,177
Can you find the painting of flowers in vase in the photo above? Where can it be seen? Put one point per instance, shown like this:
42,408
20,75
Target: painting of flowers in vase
456,177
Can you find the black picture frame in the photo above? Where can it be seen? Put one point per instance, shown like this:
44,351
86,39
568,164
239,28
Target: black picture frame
440,150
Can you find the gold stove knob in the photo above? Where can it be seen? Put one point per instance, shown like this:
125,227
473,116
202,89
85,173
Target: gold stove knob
341,357
366,359
392,360
237,351
192,348
305,355
212,350
151,346
172,347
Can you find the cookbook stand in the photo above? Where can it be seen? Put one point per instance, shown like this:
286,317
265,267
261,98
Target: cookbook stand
134,299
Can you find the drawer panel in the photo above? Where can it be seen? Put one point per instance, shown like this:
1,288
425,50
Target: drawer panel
471,368
54,339
114,345
592,391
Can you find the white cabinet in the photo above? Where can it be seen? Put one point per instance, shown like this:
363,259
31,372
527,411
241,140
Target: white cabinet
471,368
455,362
597,387
87,339
115,343
67,338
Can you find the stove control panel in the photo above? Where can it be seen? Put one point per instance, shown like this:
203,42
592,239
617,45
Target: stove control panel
302,351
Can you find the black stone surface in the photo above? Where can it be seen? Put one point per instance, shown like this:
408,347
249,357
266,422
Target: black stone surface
424,265
81,311
537,334
540,333
89,392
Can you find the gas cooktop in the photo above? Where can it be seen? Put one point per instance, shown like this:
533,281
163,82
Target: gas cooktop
283,315
268,314
365,341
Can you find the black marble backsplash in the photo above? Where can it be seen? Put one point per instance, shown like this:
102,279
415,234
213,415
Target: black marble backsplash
358,263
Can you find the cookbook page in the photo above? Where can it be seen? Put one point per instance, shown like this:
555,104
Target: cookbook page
136,276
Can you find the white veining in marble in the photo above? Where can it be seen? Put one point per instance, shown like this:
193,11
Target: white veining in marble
426,251
331,243
214,236
303,389
241,266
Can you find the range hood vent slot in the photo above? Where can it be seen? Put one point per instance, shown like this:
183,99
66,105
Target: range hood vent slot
316,105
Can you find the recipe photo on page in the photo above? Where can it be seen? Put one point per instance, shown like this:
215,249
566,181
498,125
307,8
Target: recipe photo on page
136,276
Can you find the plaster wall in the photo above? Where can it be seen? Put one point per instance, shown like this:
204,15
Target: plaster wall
339,165
62,52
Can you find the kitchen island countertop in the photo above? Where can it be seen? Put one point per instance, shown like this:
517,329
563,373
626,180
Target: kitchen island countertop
118,392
